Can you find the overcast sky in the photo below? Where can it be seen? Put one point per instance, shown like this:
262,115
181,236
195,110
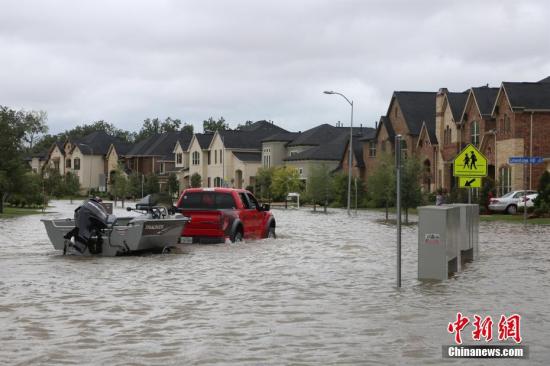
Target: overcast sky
124,61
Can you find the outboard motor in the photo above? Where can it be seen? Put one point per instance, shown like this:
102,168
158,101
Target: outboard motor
90,218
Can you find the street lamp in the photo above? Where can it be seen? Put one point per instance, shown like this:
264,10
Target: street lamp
350,144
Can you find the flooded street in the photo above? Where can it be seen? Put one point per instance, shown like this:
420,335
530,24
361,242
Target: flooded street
322,293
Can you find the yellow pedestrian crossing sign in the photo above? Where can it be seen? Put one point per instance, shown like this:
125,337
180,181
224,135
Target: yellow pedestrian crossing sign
469,182
470,162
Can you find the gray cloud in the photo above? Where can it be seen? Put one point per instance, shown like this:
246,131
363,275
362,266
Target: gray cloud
123,61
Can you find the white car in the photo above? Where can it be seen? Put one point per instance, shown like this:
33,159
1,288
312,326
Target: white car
527,200
509,202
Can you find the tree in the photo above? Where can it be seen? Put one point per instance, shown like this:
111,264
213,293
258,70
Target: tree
243,126
542,202
71,185
152,184
411,193
286,179
173,184
134,185
196,180
35,125
264,177
121,185
320,186
15,127
211,125
187,128
381,184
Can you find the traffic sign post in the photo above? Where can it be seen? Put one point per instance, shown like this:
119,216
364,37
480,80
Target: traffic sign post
470,165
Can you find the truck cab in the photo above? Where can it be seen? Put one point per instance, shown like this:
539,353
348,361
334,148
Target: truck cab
218,214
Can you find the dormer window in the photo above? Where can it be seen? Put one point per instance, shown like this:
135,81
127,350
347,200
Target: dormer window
179,158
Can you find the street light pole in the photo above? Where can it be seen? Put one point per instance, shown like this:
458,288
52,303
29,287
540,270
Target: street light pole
350,145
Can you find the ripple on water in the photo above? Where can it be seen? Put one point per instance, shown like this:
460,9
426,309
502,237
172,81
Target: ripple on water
323,292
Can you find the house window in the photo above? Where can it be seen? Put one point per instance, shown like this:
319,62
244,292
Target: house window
215,156
221,157
68,163
372,149
292,153
161,168
217,182
474,133
179,158
209,158
195,158
505,179
76,164
301,171
209,182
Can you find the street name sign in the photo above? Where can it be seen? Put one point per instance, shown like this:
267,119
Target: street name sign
470,163
525,160
469,182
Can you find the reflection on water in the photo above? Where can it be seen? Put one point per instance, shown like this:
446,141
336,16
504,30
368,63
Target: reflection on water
322,293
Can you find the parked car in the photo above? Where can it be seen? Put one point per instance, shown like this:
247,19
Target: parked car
509,202
218,214
527,200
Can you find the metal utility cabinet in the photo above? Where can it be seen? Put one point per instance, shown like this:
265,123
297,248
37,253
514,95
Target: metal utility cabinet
438,241
469,231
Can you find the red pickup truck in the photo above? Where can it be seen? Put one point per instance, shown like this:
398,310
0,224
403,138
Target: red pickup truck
220,213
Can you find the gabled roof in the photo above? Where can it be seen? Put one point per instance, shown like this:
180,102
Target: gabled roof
385,121
184,140
545,80
263,126
248,156
485,98
95,143
204,139
430,133
122,147
159,145
281,136
457,102
314,136
528,95
249,137
331,150
417,107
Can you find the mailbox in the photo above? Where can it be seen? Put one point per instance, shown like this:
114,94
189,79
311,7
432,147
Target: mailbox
438,241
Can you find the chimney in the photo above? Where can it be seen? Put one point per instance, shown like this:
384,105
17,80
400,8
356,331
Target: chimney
375,125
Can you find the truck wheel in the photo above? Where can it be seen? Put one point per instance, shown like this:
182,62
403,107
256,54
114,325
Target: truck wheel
512,209
237,237
271,233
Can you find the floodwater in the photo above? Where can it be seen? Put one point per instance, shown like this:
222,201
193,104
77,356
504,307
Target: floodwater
322,293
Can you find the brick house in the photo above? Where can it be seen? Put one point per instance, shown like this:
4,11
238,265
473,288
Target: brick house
522,116
407,113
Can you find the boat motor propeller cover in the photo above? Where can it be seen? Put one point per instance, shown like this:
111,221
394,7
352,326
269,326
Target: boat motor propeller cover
90,218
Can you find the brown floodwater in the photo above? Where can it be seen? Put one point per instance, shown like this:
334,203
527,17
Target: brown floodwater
322,293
